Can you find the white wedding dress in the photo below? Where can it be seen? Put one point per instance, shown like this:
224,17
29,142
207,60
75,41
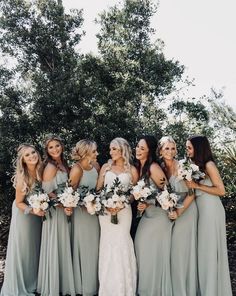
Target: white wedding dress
117,263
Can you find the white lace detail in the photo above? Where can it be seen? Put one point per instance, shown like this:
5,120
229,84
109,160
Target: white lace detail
117,263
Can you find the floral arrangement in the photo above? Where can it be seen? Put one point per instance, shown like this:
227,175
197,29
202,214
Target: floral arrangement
168,200
115,196
142,192
39,201
93,204
69,198
189,171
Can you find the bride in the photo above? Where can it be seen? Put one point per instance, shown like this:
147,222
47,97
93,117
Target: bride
117,263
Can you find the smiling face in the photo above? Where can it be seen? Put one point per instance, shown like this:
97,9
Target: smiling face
92,154
115,152
30,156
189,149
54,149
168,150
142,150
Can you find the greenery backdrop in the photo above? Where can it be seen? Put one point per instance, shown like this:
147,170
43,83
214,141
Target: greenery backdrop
128,88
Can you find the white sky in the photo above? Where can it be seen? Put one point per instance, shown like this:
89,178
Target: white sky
201,34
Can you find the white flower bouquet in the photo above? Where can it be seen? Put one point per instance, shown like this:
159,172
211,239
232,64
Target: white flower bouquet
39,201
69,198
92,202
168,200
116,196
189,171
142,192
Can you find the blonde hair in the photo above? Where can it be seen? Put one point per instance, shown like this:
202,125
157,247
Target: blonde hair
126,153
163,141
82,149
21,170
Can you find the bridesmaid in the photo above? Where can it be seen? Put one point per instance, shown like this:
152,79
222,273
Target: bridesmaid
153,236
85,227
184,233
213,269
55,266
25,229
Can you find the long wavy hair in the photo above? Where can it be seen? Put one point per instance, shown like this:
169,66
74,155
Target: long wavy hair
82,149
126,153
152,147
48,158
202,151
21,173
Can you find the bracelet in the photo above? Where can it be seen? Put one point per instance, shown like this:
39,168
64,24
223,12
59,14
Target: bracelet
27,210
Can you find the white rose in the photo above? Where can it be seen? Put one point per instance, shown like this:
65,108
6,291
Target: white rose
44,206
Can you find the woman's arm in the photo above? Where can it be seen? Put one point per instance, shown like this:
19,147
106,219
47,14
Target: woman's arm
134,175
20,203
75,176
217,187
157,175
100,181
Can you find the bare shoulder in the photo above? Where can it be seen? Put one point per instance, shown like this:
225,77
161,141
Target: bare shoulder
76,170
49,172
155,167
210,165
104,167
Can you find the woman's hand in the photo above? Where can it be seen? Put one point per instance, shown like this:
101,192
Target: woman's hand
68,211
39,213
113,211
191,184
172,215
142,206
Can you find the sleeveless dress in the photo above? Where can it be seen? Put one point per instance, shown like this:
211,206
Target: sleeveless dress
117,264
55,265
213,269
152,247
22,253
85,243
184,247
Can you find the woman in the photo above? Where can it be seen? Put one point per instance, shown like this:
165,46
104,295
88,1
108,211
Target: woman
55,266
153,236
85,227
184,233
25,230
213,270
117,264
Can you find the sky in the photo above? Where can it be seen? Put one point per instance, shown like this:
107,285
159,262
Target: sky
200,34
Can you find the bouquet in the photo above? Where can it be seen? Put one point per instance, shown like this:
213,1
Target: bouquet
39,201
168,200
93,204
142,192
189,171
115,196
69,198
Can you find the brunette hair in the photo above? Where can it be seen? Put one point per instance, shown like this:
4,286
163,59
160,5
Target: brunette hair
152,146
202,150
48,158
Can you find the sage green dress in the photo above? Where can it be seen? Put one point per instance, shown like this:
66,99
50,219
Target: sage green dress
184,246
23,248
152,247
85,243
55,266
213,269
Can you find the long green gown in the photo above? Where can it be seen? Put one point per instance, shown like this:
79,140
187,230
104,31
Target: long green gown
184,246
152,248
213,269
55,265
85,243
23,248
